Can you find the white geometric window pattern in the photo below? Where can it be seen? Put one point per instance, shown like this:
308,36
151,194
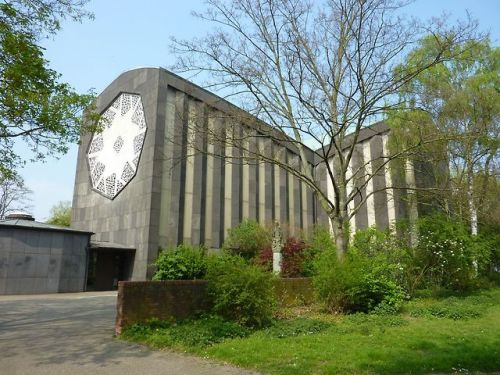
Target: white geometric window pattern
113,154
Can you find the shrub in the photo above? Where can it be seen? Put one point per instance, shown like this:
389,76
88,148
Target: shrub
293,257
293,254
264,258
372,241
298,256
446,262
181,263
240,291
488,246
357,284
375,292
319,242
247,239
447,255
387,248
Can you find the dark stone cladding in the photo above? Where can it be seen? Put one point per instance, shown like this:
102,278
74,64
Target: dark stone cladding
39,258
131,218
378,128
358,164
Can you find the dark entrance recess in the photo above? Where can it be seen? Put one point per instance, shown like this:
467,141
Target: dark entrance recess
108,264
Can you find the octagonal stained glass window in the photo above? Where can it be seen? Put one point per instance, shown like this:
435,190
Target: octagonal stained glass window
113,154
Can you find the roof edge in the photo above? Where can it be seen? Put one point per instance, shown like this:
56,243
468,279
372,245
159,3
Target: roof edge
36,225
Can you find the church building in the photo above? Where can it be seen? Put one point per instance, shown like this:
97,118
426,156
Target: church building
141,184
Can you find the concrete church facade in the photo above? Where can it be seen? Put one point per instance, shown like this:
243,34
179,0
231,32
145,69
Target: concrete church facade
136,190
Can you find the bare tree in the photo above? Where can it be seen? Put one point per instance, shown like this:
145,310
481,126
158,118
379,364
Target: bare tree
14,195
317,72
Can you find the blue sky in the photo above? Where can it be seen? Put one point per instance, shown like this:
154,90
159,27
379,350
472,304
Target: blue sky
126,34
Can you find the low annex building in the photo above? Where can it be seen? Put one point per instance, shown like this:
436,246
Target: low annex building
41,258
140,185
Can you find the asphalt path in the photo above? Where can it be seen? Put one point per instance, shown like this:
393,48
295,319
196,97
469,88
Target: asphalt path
73,334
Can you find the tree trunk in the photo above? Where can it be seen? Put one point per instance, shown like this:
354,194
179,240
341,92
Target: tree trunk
412,202
472,209
341,237
470,199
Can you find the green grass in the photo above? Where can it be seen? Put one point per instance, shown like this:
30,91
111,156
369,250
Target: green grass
446,335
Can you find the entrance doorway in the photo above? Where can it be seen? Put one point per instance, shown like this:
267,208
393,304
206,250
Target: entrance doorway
107,266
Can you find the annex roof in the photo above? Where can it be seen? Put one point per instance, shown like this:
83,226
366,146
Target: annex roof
109,245
36,225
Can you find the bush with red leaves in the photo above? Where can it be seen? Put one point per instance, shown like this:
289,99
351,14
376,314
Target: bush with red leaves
265,258
293,257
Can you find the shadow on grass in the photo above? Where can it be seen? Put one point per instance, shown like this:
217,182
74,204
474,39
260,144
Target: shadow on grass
427,356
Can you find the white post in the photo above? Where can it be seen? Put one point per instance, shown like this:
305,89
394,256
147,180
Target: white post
276,246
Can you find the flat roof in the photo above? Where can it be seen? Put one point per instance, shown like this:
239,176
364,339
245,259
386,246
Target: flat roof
109,245
36,225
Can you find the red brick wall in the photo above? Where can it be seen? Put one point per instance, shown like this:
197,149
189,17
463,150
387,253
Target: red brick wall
139,301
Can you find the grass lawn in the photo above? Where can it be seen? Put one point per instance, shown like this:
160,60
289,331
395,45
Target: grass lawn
446,335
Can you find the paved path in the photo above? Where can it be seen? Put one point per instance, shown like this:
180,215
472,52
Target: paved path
72,334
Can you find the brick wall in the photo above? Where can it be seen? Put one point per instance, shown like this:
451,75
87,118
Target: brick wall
139,301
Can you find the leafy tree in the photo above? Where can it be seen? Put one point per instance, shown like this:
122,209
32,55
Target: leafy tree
35,107
319,72
60,214
459,99
14,195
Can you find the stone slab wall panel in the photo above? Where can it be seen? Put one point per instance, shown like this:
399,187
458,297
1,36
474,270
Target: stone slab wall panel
36,262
